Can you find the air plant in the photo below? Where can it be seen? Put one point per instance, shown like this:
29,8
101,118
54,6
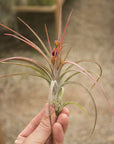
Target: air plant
54,72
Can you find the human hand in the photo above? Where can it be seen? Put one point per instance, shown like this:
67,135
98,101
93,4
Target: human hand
39,131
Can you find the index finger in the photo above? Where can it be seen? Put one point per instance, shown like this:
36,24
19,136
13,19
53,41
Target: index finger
32,125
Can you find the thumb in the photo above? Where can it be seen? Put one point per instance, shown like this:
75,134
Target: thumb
43,131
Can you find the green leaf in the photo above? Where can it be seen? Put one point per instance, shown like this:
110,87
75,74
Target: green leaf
29,66
20,74
72,102
31,61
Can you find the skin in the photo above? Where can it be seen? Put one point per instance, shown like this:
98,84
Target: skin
39,131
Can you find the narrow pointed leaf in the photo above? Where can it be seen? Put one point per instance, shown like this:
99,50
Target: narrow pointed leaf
24,74
66,72
31,61
16,33
68,53
34,46
48,38
43,45
72,102
60,23
25,65
66,27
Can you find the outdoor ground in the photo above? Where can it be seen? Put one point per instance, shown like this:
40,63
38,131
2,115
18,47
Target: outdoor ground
91,32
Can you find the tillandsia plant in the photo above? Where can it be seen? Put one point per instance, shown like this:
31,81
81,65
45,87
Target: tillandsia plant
57,68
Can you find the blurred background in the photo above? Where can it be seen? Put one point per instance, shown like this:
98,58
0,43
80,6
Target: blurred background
91,32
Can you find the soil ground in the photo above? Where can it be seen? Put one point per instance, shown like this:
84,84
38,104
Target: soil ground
91,32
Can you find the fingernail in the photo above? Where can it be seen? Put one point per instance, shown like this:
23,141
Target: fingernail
18,141
20,138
